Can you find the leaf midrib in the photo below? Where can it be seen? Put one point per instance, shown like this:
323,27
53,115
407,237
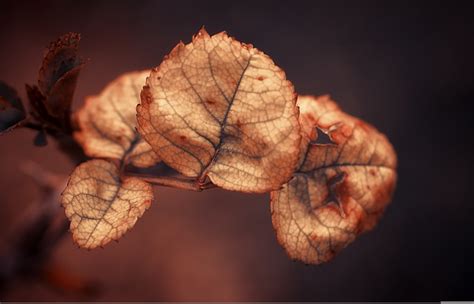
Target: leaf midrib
224,121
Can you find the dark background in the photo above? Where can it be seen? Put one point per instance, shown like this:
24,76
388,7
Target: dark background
407,70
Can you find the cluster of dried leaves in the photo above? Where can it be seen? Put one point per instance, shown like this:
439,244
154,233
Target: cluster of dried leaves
218,112
50,100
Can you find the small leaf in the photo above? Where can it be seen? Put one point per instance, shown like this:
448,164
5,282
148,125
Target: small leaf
340,189
60,98
11,108
37,107
107,122
9,116
10,95
100,205
223,109
58,75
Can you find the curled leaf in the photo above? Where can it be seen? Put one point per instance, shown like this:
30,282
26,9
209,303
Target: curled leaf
340,189
219,108
107,122
11,108
58,76
102,206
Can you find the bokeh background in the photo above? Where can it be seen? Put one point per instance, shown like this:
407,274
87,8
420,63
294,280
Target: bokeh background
406,69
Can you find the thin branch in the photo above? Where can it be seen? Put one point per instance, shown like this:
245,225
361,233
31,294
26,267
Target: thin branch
174,182
30,125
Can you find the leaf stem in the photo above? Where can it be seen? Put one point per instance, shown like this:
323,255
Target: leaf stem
175,182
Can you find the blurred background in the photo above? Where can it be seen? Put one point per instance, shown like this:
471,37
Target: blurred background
406,69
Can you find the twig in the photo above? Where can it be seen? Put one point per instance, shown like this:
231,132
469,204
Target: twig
175,182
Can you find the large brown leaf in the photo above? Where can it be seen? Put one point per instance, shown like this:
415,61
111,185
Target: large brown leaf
101,205
340,189
107,122
223,109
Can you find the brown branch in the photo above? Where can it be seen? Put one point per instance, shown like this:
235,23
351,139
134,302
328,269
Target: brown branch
174,182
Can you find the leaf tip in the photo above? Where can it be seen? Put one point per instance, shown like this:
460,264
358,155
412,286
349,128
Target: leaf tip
201,34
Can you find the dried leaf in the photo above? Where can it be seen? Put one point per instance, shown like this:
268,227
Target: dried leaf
37,107
107,122
100,205
58,75
10,95
60,98
11,108
223,109
340,189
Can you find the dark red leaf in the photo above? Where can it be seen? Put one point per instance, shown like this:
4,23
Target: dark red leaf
11,108
58,77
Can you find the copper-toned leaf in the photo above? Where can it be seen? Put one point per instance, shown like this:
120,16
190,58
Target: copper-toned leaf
11,108
107,122
58,75
101,205
223,109
340,189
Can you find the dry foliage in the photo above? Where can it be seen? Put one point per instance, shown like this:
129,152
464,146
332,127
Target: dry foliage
107,123
220,113
222,109
101,204
339,190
